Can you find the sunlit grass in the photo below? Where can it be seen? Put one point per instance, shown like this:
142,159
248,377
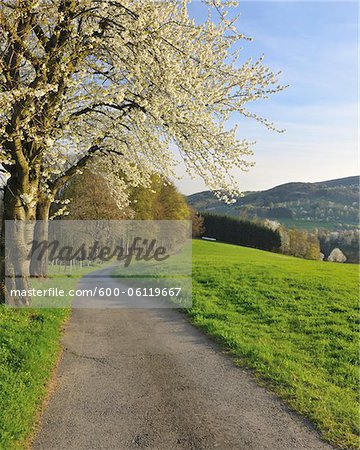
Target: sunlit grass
294,321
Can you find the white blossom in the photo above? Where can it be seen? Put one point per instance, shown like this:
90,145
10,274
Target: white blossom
337,256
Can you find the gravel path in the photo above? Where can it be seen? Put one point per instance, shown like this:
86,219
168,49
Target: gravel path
147,379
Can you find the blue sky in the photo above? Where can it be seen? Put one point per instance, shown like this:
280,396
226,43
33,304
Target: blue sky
315,45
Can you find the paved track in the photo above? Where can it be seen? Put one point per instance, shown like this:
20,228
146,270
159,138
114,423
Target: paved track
147,379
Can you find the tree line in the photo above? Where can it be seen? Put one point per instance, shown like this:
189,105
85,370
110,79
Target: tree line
91,198
270,235
240,232
334,246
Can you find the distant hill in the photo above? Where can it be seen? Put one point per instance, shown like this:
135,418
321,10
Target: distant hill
332,204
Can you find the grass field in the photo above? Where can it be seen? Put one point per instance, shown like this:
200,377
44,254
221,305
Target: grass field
295,322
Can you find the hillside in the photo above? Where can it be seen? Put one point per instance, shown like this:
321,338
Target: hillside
331,204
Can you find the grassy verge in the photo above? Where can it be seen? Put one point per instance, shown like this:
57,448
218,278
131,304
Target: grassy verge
294,322
29,348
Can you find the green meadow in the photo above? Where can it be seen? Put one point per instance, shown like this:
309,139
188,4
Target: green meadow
293,321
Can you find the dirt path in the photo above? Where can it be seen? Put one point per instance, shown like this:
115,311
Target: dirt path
147,379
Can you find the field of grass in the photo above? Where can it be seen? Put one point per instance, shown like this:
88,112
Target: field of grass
295,322
29,348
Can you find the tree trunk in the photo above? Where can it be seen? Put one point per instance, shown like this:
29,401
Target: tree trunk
15,264
39,266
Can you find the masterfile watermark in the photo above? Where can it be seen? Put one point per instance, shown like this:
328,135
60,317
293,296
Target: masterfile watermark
138,250
98,264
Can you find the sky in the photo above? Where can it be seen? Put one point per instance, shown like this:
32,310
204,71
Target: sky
315,45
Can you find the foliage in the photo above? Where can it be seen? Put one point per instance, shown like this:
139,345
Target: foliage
299,243
120,84
197,221
160,201
234,231
92,199
293,321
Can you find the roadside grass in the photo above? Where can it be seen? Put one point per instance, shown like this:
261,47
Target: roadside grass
29,348
295,322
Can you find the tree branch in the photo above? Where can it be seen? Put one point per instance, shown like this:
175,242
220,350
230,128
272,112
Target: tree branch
40,34
81,163
92,108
